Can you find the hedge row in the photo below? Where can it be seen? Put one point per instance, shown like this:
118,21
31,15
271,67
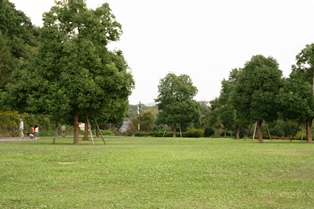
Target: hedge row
194,133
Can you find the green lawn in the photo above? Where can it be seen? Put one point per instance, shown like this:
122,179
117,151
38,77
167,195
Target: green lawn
156,173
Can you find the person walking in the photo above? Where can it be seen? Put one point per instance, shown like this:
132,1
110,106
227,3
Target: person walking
36,133
31,135
21,127
63,130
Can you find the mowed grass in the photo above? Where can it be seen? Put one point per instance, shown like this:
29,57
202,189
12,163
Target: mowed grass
156,173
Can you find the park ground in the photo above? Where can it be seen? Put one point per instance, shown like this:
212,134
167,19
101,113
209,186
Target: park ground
148,172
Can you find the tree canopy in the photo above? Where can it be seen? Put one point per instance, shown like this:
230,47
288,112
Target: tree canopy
175,101
18,39
256,91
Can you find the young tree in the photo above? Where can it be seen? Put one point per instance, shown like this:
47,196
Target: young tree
205,114
147,120
256,91
226,111
73,66
175,101
213,116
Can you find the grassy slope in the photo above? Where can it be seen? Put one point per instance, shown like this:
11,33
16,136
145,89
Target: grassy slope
156,173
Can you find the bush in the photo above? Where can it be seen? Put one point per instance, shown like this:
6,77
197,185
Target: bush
209,132
156,134
298,136
193,132
141,134
107,132
189,133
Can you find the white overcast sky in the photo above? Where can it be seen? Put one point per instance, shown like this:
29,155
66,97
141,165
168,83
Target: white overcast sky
204,39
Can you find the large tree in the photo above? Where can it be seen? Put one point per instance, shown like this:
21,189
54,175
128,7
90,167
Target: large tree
175,101
73,69
297,96
256,91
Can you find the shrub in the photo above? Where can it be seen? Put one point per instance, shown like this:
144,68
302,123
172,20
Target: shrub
209,132
156,134
141,133
193,132
298,136
107,132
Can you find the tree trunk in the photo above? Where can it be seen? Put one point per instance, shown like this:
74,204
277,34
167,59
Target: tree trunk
76,127
237,131
174,130
85,138
309,129
56,132
97,131
259,131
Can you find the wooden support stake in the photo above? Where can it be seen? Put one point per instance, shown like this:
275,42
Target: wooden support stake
268,132
254,131
90,130
180,130
102,137
165,128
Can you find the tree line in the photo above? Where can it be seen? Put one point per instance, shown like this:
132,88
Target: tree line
258,93
253,95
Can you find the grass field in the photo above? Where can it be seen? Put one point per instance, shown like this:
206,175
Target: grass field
156,173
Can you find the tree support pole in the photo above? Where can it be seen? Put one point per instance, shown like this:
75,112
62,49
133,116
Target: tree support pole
268,132
254,131
102,137
180,130
90,130
302,133
296,131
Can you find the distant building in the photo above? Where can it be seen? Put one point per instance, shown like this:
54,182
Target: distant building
82,126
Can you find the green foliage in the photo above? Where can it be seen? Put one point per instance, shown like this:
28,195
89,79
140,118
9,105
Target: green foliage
18,40
209,132
18,30
300,135
194,133
107,132
175,101
257,88
9,119
283,128
9,123
205,114
296,96
147,119
191,132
